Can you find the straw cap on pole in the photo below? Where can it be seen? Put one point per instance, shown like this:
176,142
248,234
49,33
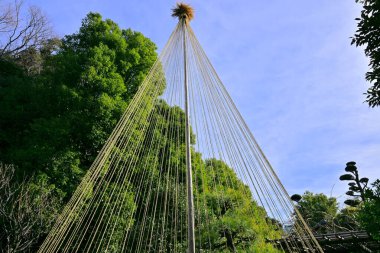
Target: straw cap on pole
183,11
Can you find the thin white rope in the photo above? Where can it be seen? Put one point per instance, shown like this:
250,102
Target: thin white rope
138,179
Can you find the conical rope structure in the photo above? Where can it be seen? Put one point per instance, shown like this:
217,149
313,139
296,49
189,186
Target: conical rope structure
181,172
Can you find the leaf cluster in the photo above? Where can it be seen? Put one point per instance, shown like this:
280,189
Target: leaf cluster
369,214
368,35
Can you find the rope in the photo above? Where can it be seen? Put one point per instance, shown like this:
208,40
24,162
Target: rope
133,197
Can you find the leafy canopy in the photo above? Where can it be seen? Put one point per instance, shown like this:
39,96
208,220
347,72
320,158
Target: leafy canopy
318,210
54,122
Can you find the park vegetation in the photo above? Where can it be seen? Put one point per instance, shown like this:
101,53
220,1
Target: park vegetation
361,210
59,101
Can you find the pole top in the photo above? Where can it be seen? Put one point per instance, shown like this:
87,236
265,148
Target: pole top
183,12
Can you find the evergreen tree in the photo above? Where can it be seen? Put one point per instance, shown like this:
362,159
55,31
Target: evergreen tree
53,124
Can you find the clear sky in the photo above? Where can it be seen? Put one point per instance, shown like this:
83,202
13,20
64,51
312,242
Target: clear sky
289,67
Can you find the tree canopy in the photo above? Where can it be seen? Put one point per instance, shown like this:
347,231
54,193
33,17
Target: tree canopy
318,210
53,123
368,35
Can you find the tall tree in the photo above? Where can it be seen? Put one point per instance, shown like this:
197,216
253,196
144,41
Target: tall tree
54,123
230,220
368,35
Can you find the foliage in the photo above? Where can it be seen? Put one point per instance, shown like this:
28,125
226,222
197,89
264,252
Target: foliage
55,117
227,218
368,35
364,204
322,214
357,185
319,211
27,211
103,217
347,219
232,221
54,123
361,211
369,214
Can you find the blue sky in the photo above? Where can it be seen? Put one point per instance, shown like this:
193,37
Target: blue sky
289,67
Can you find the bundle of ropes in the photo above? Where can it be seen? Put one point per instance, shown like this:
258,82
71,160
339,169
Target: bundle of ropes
135,196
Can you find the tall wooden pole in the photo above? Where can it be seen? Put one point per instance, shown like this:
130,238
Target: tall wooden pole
190,197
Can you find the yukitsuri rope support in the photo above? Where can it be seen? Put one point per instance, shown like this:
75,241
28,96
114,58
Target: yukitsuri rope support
179,170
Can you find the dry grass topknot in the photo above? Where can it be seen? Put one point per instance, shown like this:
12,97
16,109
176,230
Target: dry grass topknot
183,11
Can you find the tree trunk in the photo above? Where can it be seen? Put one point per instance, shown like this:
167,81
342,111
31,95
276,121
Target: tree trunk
230,240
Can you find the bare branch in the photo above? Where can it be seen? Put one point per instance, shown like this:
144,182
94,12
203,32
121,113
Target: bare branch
27,211
6,18
19,31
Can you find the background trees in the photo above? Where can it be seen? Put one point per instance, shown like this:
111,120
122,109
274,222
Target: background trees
369,214
24,34
368,35
27,211
362,210
364,200
319,211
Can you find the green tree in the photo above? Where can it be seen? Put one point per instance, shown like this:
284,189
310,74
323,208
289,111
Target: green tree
227,218
54,123
368,35
55,118
323,215
364,201
369,213
357,185
319,211
231,221
347,219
